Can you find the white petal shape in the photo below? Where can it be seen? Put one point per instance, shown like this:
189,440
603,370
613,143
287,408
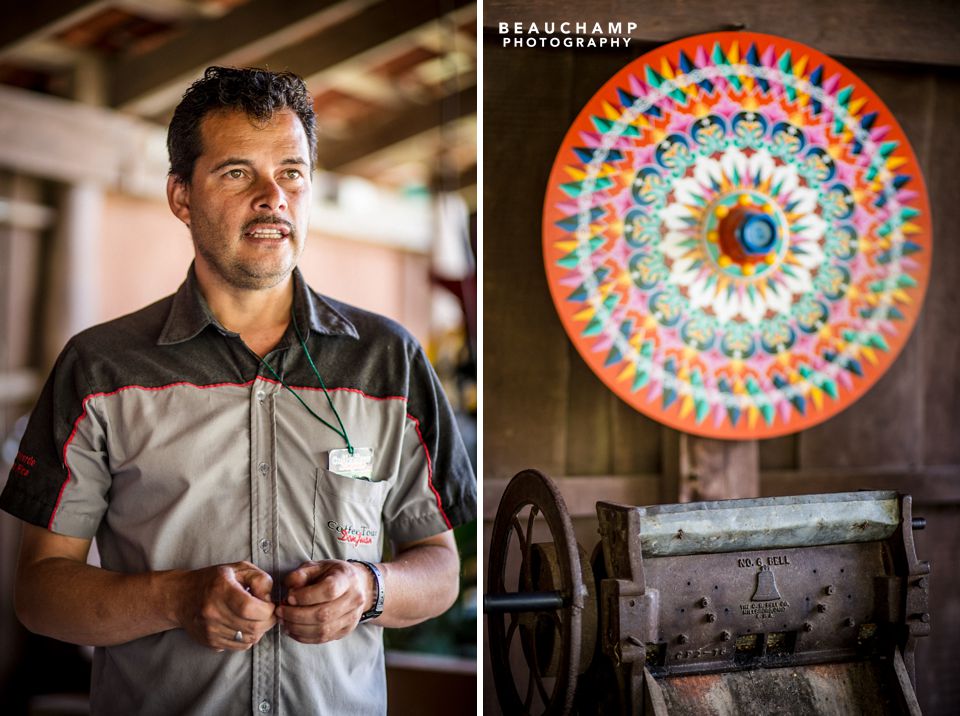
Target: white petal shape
752,309
761,162
811,257
683,272
813,228
805,198
801,283
778,299
708,171
724,307
688,191
786,178
733,161
700,295
671,245
673,216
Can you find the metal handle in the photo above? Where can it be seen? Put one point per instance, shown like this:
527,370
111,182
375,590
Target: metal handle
523,602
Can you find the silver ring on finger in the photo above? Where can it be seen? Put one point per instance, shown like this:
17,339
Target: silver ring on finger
238,636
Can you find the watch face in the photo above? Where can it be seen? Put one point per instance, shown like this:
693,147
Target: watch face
737,236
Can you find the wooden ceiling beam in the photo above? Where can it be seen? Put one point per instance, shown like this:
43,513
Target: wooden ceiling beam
39,19
397,128
152,82
167,10
371,27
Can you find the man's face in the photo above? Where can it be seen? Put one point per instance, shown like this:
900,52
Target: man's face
248,202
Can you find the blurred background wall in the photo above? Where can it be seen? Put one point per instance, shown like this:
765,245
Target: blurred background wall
545,409
86,90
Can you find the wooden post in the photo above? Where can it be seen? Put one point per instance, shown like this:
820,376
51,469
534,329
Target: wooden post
74,278
696,468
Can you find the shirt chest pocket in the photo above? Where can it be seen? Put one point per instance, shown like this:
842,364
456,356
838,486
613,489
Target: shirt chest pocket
347,517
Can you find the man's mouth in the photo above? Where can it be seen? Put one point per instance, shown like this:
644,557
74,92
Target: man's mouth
267,231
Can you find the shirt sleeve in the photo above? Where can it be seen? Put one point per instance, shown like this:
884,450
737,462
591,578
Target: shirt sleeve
436,489
60,477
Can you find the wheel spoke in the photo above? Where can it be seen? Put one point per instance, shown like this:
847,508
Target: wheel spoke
528,699
533,514
540,687
511,630
535,679
557,621
518,528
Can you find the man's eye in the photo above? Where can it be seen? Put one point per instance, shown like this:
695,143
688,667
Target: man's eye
293,174
235,173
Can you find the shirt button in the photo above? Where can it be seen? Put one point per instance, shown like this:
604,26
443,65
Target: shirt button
264,468
264,706
261,395
265,545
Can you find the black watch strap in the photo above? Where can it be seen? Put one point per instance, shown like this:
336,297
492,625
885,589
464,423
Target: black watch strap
377,609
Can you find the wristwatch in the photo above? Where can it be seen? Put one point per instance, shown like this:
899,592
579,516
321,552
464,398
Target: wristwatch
377,608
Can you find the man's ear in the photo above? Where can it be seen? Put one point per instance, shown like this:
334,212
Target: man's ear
178,197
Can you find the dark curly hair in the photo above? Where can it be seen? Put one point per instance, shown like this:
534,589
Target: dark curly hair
258,93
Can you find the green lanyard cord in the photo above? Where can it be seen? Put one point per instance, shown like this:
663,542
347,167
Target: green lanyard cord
342,432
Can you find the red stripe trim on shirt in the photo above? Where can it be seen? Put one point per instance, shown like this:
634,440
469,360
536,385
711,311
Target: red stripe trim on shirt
416,424
83,414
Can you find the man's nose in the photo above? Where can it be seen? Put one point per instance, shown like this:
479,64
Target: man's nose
269,196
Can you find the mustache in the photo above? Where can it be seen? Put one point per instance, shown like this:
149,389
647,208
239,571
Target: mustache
268,219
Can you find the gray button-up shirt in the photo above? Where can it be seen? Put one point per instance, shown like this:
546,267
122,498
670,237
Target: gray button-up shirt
164,436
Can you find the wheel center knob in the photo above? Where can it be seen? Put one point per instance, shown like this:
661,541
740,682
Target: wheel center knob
756,233
745,234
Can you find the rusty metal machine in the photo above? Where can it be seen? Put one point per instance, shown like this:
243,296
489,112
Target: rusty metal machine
784,605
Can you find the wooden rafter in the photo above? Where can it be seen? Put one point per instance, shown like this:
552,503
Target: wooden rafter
41,18
153,81
408,123
373,26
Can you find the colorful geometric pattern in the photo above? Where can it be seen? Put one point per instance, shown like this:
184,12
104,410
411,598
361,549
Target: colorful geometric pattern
737,235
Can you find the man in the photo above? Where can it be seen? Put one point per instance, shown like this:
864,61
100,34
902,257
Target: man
234,447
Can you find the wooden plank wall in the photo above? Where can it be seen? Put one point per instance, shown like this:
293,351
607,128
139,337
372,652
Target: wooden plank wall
544,408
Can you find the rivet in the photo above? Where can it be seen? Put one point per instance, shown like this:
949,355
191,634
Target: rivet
807,626
821,608
682,639
724,635
830,589
711,617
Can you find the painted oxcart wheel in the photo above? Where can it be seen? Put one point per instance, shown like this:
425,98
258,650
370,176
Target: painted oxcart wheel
537,654
737,235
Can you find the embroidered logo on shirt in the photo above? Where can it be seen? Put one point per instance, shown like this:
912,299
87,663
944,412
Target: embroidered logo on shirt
356,535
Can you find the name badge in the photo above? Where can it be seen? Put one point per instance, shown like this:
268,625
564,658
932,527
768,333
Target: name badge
358,465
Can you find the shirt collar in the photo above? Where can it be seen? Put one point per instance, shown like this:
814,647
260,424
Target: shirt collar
190,314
